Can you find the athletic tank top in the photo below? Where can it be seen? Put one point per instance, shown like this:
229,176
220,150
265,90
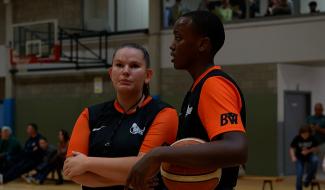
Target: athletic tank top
114,134
191,125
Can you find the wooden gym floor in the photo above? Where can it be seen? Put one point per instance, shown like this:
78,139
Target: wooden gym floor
287,184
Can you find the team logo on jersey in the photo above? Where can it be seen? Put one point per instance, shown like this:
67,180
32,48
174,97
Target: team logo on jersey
226,118
189,110
136,130
97,129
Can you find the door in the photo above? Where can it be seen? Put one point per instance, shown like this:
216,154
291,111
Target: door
296,109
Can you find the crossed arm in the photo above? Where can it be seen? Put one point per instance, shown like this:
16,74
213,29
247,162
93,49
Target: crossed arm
98,172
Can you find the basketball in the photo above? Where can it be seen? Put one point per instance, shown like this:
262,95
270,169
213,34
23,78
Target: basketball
177,177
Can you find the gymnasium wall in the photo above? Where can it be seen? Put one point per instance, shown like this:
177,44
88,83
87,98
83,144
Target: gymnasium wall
68,13
259,85
2,23
55,101
3,61
301,78
294,39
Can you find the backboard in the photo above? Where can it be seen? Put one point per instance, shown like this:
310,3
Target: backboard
35,42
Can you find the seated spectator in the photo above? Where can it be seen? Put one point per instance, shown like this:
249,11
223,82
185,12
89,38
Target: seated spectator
30,158
238,8
203,5
224,12
64,138
253,8
47,164
282,8
278,7
177,10
302,152
9,149
313,7
270,6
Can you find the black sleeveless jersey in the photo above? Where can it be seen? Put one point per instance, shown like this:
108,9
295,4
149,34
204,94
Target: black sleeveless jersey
190,125
114,134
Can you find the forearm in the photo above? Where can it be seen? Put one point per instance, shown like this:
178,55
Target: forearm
113,169
93,180
314,150
292,153
228,152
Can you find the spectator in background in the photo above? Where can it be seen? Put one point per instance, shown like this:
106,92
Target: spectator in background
64,138
47,164
317,123
238,8
253,8
30,158
302,151
313,7
278,7
177,10
204,5
224,12
9,149
282,8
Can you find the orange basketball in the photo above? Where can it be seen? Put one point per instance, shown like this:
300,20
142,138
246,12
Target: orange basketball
178,177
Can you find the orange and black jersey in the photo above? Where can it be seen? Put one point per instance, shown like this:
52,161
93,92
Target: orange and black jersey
214,105
104,130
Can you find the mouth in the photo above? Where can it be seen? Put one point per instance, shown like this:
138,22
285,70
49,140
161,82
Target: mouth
173,57
125,82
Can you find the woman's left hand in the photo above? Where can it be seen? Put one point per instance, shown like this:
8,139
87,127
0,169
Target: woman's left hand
75,165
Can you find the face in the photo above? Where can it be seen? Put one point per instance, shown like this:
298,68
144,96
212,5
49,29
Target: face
30,130
5,134
184,48
43,144
60,136
129,71
305,135
318,109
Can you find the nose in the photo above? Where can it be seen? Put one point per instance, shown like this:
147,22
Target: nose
172,46
126,70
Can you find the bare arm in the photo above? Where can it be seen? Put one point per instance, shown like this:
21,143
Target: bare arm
92,180
229,151
113,170
292,154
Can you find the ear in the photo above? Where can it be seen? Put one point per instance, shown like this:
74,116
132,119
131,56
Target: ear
149,73
204,44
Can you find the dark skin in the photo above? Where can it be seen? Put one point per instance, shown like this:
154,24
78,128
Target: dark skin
192,52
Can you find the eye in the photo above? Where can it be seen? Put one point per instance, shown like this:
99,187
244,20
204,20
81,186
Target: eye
177,38
118,65
134,66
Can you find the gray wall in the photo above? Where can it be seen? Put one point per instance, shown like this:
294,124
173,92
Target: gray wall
67,12
259,85
55,101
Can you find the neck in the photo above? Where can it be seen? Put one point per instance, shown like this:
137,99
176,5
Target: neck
128,102
198,69
33,135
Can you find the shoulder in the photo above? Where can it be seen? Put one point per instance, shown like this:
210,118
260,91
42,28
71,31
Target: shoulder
219,89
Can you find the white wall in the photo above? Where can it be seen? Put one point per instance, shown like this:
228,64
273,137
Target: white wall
133,14
302,78
268,41
304,8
